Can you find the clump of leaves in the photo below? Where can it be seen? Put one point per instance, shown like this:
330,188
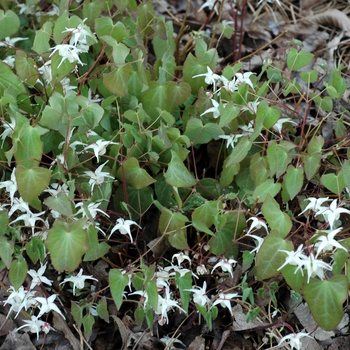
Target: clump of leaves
95,140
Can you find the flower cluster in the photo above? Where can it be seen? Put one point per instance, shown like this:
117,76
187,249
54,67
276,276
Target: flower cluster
27,299
165,282
324,240
220,82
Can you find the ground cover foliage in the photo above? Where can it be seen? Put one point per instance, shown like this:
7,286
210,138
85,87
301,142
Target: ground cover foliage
174,174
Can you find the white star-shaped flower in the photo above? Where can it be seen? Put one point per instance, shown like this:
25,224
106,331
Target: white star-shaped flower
325,243
294,340
251,107
78,280
224,300
164,305
10,186
210,78
199,294
10,41
259,242
214,109
332,214
210,4
99,147
315,204
244,78
257,223
279,124
34,325
123,226
180,258
98,176
47,305
226,265
295,258
67,52
38,278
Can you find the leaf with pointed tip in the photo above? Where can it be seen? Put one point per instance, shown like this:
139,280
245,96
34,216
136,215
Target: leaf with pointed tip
240,151
199,133
177,174
178,93
18,272
333,182
267,187
32,182
67,243
293,181
60,203
29,147
25,68
270,258
325,299
117,80
298,59
276,219
178,239
6,251
134,175
8,79
9,23
117,282
95,250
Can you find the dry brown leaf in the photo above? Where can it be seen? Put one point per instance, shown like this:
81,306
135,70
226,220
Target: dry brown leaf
309,4
304,315
123,330
61,325
332,18
197,344
240,323
17,341
142,341
340,343
7,325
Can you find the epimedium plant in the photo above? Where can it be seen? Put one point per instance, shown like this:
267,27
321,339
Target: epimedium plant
95,138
